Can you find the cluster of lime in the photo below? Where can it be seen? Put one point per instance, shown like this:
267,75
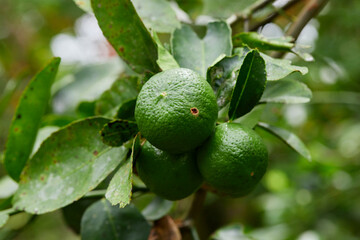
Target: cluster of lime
176,111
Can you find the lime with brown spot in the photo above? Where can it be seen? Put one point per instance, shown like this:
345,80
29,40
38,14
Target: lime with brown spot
233,160
171,176
176,110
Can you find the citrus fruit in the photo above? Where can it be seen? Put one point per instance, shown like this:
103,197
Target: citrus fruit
233,160
176,110
168,175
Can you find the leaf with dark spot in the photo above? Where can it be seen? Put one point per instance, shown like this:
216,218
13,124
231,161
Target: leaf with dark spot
27,118
68,164
117,132
124,29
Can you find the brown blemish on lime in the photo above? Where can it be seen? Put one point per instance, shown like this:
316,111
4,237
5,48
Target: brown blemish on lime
194,111
252,174
95,153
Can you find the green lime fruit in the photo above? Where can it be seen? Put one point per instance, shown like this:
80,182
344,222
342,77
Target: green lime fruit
170,176
176,110
233,160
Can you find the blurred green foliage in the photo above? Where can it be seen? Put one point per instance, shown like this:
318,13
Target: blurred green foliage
296,199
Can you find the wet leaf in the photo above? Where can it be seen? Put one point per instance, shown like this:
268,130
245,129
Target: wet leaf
125,31
117,132
287,137
249,86
27,118
198,54
286,91
68,164
103,221
157,208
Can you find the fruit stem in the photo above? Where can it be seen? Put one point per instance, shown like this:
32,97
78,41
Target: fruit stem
196,206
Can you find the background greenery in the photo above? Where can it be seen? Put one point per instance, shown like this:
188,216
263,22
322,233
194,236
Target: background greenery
296,199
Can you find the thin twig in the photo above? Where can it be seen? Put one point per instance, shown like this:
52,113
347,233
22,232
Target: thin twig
197,205
307,13
273,15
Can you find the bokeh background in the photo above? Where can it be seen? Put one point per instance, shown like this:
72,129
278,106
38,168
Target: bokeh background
297,198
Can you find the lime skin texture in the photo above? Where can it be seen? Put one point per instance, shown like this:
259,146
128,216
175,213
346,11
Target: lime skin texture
170,176
176,110
233,160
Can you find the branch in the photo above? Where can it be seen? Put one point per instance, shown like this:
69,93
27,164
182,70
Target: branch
307,13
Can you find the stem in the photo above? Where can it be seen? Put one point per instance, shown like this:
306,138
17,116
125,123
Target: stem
307,13
196,205
273,15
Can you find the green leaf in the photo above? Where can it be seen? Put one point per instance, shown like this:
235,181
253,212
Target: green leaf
157,15
288,138
122,90
3,219
198,54
158,208
279,68
286,91
222,77
84,5
70,163
165,60
102,221
27,118
86,109
117,132
73,213
230,232
127,110
255,40
124,29
252,118
249,86
120,187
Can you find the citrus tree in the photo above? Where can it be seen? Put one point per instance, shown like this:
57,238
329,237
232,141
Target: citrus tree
180,122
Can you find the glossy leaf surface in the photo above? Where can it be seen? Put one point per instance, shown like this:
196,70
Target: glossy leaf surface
249,87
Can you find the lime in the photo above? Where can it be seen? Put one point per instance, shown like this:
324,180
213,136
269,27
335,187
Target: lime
176,110
233,160
170,176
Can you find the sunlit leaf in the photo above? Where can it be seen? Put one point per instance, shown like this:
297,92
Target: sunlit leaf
3,219
255,40
249,86
286,91
68,164
112,222
287,137
124,29
27,118
84,5
252,118
198,54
